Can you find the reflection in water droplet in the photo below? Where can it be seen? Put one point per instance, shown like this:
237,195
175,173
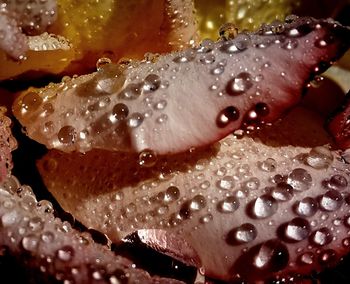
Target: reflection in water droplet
299,179
120,111
171,194
135,120
331,200
239,84
321,237
306,207
263,207
228,205
296,230
242,234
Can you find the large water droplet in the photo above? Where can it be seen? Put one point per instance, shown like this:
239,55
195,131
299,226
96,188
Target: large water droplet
321,237
120,111
131,92
263,207
171,194
282,192
151,83
296,230
196,204
306,207
299,179
269,165
135,120
226,183
331,200
319,158
31,102
67,135
228,205
337,182
242,234
147,158
239,84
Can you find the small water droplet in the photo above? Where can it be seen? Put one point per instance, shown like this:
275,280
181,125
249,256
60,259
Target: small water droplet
196,204
306,258
47,237
207,59
321,237
131,91
225,183
251,184
102,62
269,165
35,224
160,105
263,207
289,44
239,84
243,234
206,218
31,102
299,179
185,57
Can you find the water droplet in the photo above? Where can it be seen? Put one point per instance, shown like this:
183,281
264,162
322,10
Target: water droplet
226,183
327,257
321,237
239,44
337,182
36,224
263,207
239,84
299,179
9,219
306,207
218,70
228,31
162,118
160,105
65,253
306,258
268,257
296,230
228,205
10,184
346,242
331,200
207,59
185,57
135,120
282,192
205,46
47,237
147,158
319,158
226,116
31,102
67,135
261,109
196,204
300,31
102,62
269,165
151,83
206,218
120,111
171,194
30,243
251,184
241,235
289,44
131,92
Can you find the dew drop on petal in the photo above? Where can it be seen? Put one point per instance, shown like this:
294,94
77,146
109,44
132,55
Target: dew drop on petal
239,84
67,135
296,230
321,237
300,179
241,235
228,205
263,207
306,207
331,200
319,158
